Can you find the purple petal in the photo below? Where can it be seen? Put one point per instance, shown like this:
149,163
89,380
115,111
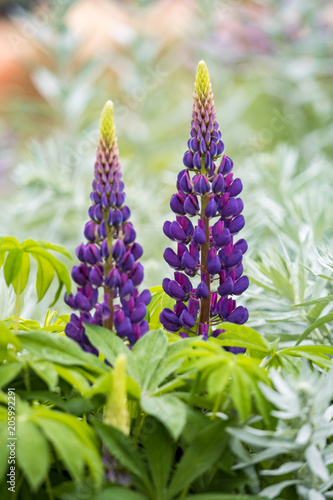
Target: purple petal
236,224
171,258
241,285
191,206
239,316
125,328
214,265
188,261
202,291
186,319
199,236
176,291
230,208
226,288
185,183
144,297
139,313
235,188
177,232
118,250
241,245
201,184
218,185
137,251
96,276
90,231
166,230
211,208
176,205
235,259
197,160
208,161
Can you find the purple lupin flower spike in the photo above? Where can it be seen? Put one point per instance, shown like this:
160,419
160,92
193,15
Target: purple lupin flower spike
110,273
208,192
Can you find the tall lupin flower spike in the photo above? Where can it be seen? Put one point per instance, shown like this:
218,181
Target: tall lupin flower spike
109,268
206,249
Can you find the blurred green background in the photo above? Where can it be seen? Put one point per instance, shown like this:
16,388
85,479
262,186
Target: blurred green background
271,68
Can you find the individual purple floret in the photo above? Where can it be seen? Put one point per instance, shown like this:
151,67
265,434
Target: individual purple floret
110,272
208,217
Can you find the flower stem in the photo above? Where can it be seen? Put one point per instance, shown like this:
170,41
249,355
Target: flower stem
17,306
205,303
108,323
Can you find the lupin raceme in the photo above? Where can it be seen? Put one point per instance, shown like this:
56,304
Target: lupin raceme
109,272
208,217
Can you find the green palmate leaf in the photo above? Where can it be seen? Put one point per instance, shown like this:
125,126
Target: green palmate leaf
124,449
160,454
74,377
8,372
149,352
264,406
240,392
243,336
60,349
321,321
2,257
6,337
318,354
32,453
55,248
59,267
108,344
224,496
12,265
77,438
118,493
66,444
200,456
8,243
20,281
218,379
45,275
4,450
168,409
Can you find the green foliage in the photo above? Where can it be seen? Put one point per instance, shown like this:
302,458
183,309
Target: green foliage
16,262
204,424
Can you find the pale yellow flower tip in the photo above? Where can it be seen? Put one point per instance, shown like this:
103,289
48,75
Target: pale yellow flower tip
202,83
107,129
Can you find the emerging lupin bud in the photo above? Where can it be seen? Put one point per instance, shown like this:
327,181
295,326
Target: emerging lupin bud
206,248
109,274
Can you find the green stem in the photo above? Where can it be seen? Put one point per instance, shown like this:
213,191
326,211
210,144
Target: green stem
17,306
185,491
49,488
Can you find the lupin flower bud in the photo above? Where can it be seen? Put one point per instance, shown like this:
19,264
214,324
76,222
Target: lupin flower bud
206,247
109,273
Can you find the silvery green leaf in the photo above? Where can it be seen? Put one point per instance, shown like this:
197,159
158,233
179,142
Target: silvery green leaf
274,490
315,495
304,434
316,463
328,415
260,457
276,398
284,469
